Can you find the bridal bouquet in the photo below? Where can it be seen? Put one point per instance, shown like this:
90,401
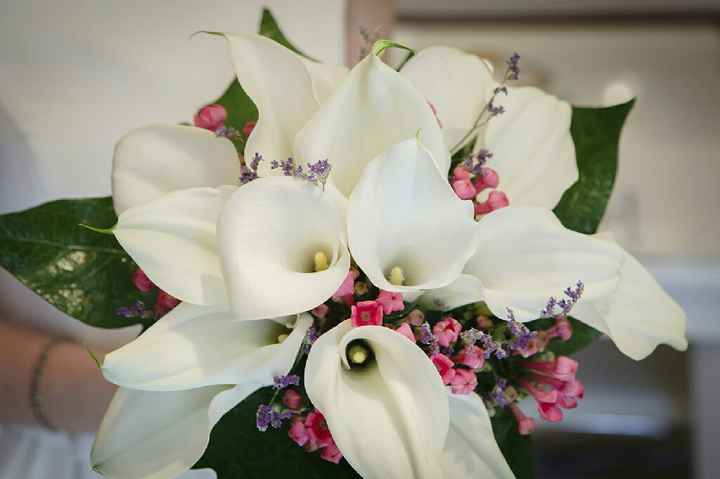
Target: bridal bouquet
348,272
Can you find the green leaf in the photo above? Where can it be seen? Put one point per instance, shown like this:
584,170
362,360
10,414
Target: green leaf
582,336
596,133
237,450
517,449
84,274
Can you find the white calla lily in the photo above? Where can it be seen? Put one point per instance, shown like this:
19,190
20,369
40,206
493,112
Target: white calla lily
177,381
152,161
389,417
457,84
525,256
283,247
403,216
195,346
470,449
374,108
533,151
173,239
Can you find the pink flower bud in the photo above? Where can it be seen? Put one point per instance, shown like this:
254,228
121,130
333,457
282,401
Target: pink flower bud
248,128
550,412
447,331
347,287
525,424
444,365
472,357
210,117
390,301
464,381
164,303
366,313
317,429
331,453
461,173
298,432
488,178
406,331
464,189
292,399
416,317
320,311
142,282
496,200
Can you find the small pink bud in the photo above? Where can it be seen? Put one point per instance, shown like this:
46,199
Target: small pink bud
464,381
525,424
298,432
472,357
347,287
447,331
550,412
142,282
210,117
406,331
562,328
461,173
366,313
317,429
164,303
566,367
320,311
292,399
464,189
331,453
248,128
488,178
444,365
390,301
496,200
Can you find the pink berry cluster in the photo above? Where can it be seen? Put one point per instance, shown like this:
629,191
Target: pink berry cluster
479,184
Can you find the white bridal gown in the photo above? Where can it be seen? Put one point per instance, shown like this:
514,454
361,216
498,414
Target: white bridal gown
75,76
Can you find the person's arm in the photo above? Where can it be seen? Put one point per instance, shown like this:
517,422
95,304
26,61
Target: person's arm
71,392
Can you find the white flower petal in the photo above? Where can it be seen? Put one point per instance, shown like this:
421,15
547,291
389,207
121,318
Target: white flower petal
153,435
466,289
325,78
388,418
270,231
458,84
470,449
279,83
533,151
173,239
404,213
525,256
194,346
639,315
375,107
154,160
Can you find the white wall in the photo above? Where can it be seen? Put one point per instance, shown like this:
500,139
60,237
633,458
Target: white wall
76,75
667,199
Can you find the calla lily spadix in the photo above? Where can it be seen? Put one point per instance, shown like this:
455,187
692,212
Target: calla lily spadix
178,379
404,216
509,271
391,415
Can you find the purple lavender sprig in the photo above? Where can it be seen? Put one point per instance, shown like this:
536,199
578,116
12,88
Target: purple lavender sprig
562,307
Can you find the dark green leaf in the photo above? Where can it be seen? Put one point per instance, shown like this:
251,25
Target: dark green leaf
596,133
237,450
517,449
85,274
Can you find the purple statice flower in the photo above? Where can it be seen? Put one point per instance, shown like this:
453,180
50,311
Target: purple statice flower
267,416
427,338
257,158
247,175
310,338
521,335
319,172
228,132
474,163
555,307
136,310
494,110
514,66
471,336
497,395
281,382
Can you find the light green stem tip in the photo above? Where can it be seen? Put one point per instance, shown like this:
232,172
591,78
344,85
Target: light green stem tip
95,358
382,44
105,231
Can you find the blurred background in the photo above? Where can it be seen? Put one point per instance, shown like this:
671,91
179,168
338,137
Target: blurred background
76,75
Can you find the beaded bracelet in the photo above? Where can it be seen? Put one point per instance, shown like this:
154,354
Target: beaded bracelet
37,375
